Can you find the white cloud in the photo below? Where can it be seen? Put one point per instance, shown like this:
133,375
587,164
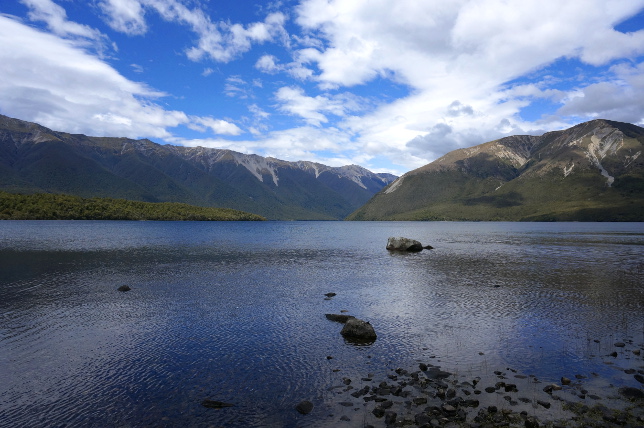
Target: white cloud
50,81
295,102
236,87
55,17
125,16
217,126
448,74
456,58
219,41
268,64
329,146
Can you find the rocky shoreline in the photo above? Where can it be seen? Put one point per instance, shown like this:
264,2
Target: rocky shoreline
430,397
427,396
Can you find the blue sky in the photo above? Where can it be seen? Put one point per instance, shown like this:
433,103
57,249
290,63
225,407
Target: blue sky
386,84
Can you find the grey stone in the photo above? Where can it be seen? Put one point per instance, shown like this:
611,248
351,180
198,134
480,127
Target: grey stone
390,417
631,393
341,318
358,329
403,244
304,407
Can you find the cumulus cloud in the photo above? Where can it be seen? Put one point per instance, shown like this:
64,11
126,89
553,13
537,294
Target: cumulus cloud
329,146
312,109
297,69
268,64
55,17
621,98
51,81
125,16
457,59
217,126
219,41
402,80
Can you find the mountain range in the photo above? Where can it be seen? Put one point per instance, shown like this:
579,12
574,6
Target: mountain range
35,159
593,171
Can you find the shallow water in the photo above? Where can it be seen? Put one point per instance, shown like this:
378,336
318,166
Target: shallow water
235,312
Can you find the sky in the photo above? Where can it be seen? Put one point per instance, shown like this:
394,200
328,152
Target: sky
389,85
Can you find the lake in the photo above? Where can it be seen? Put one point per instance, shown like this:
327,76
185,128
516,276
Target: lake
234,311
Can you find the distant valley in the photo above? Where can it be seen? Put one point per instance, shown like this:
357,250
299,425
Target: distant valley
35,159
593,171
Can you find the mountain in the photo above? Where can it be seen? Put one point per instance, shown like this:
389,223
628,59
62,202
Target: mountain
591,172
35,159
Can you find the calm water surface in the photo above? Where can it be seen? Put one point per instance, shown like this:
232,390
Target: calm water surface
235,312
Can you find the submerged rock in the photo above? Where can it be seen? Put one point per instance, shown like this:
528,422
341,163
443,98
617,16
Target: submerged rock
405,244
304,407
213,404
356,328
338,317
632,393
124,288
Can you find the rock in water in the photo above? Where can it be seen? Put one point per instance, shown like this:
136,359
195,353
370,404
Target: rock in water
304,407
356,328
404,244
124,288
341,318
631,393
213,404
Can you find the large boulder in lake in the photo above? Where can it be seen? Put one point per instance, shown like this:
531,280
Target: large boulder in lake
357,329
405,244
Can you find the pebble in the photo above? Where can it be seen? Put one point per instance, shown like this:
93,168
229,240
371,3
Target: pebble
543,403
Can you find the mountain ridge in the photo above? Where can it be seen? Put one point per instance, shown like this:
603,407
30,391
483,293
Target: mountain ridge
34,159
594,170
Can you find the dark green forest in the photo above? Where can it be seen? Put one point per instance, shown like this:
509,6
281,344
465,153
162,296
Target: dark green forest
48,206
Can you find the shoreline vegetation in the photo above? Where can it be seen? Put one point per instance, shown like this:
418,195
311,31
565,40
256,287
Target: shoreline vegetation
49,206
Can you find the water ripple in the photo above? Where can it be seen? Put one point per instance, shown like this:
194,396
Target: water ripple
235,313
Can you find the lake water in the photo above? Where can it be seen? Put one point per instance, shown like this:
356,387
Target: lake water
235,312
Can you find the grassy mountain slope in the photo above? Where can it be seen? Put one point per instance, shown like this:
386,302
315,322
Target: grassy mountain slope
591,172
